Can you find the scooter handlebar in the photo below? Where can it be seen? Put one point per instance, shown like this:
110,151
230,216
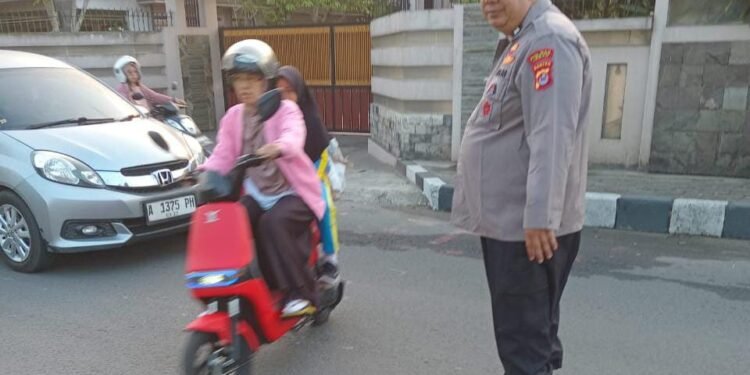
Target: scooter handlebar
215,187
249,161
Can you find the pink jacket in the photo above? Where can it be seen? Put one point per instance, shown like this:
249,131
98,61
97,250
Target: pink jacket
287,129
151,96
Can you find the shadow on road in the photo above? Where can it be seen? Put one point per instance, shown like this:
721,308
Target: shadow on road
147,254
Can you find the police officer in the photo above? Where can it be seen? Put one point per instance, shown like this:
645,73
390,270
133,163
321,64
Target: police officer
521,176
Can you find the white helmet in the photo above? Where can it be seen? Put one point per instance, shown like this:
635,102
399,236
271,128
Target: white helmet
120,65
251,56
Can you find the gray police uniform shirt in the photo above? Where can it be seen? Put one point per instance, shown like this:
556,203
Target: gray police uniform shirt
523,159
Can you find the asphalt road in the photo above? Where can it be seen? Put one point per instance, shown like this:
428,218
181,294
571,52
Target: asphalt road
416,303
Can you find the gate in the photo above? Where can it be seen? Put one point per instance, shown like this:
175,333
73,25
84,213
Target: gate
335,61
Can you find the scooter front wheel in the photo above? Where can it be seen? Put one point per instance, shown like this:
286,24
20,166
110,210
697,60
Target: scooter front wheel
204,355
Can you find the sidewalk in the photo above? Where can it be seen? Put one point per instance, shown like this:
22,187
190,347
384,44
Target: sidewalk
370,181
619,199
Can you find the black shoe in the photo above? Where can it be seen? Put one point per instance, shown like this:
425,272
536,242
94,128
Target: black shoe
328,273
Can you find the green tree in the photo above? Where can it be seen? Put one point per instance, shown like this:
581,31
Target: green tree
276,12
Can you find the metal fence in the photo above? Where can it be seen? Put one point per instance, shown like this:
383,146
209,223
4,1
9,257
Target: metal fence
192,13
18,22
93,20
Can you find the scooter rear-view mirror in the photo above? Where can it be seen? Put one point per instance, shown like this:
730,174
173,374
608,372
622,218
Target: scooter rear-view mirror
269,103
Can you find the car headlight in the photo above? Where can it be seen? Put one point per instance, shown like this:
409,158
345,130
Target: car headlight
198,158
65,169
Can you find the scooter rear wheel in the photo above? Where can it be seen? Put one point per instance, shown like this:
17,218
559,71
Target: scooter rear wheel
321,317
205,356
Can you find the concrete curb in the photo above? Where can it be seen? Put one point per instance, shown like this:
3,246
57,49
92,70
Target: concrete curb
636,213
601,210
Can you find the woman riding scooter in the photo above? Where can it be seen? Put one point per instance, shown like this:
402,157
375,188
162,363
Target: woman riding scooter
283,196
293,87
128,72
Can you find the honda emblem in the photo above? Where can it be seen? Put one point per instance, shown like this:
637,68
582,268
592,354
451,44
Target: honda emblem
163,177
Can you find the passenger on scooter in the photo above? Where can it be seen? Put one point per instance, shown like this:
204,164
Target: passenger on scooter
283,196
128,72
293,87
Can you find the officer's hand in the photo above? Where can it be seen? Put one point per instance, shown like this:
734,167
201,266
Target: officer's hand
540,244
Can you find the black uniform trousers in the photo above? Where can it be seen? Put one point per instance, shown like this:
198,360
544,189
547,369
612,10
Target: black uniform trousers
526,303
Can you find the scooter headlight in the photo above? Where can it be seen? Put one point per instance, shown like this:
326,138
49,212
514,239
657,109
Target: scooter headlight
173,124
190,125
212,279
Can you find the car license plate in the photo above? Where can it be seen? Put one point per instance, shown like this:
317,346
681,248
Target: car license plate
169,208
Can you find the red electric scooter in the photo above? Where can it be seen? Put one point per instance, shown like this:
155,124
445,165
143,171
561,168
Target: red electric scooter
223,272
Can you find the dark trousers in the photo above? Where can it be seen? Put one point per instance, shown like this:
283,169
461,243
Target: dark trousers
282,243
526,303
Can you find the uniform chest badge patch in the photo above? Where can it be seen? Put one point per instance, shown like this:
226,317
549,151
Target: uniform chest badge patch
486,108
541,63
492,90
511,57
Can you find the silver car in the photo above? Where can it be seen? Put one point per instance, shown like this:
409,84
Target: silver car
81,168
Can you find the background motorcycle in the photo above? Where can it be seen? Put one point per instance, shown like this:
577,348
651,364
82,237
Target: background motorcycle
170,114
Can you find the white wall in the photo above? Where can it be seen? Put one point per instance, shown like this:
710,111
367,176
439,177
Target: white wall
412,59
618,41
110,4
626,150
97,52
412,70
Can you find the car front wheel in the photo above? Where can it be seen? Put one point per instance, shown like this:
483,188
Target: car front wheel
21,243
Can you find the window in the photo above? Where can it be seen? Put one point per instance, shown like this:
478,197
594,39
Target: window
50,94
614,101
192,13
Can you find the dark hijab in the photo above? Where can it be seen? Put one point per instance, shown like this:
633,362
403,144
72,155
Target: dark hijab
317,135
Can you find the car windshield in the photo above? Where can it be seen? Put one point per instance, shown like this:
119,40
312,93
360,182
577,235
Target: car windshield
34,96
